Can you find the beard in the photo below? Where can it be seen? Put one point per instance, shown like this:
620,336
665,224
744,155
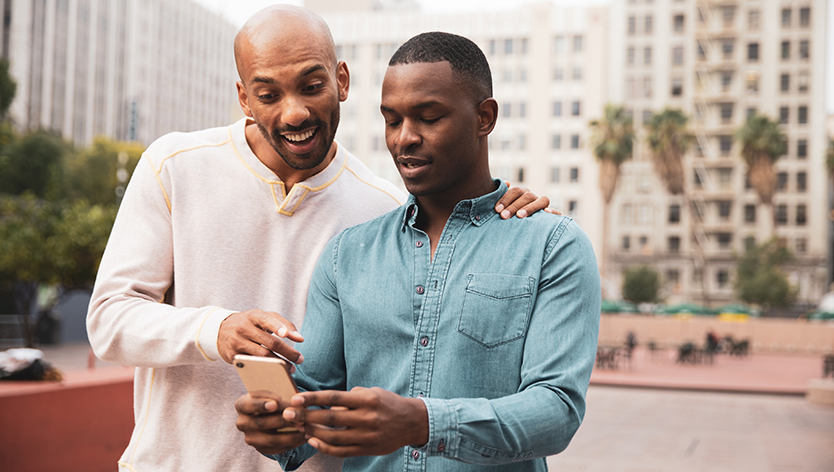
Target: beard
324,133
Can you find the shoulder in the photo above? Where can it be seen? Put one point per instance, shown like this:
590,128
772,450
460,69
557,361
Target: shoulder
179,144
366,182
561,231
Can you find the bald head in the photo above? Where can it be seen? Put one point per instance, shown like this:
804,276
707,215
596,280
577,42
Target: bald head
274,28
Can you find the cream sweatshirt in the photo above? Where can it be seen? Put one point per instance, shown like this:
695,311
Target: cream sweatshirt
206,230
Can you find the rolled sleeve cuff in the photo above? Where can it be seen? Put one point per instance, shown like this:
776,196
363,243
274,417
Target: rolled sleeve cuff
206,339
443,428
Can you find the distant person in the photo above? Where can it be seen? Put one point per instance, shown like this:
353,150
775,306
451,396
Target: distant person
441,338
218,232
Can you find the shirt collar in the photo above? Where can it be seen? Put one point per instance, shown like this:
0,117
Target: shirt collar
477,210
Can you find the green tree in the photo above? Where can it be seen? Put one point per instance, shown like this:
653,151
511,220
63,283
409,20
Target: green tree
762,143
91,173
34,163
669,139
829,159
613,143
8,88
759,279
641,284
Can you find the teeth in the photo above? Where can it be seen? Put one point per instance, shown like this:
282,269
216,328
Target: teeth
299,137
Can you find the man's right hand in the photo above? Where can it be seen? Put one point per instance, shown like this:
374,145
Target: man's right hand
257,333
259,418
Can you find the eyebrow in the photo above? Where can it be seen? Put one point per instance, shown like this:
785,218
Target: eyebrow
304,73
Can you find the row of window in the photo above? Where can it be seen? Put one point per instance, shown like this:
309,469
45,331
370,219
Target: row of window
644,213
724,241
754,17
678,20
556,141
512,46
573,175
519,110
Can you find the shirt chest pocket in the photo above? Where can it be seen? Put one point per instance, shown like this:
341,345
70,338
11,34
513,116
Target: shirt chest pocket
496,308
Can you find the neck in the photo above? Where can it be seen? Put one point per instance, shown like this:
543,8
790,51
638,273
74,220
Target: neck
272,160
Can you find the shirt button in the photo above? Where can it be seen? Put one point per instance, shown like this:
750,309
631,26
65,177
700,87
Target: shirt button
415,454
477,217
420,395
441,447
419,244
424,341
420,290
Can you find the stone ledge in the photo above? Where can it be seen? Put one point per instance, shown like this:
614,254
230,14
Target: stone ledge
821,392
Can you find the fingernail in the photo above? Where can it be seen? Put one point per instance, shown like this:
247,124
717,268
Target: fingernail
505,214
282,331
313,442
499,208
300,359
521,213
289,414
270,406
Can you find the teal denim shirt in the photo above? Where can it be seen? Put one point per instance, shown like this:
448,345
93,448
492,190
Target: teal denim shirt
497,334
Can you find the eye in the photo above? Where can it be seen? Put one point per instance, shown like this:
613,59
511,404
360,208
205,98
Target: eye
392,123
266,97
313,87
431,120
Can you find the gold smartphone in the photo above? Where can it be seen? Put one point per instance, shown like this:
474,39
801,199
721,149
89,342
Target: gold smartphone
266,374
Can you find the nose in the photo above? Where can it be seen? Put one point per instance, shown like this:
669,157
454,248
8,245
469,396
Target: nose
295,111
408,135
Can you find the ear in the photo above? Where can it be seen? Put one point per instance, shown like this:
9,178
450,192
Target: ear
342,80
243,99
487,116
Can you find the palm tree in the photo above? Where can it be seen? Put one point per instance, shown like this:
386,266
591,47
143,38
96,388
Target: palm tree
762,143
613,144
829,159
669,139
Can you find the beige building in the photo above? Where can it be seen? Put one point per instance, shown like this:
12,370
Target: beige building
549,73
126,69
719,61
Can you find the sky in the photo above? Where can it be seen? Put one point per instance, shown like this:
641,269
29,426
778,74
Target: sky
239,11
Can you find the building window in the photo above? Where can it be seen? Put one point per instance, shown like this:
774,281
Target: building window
724,240
727,49
804,17
632,25
801,245
577,73
507,110
781,214
674,244
574,175
630,55
752,82
557,108
753,52
649,24
647,86
575,108
801,181
522,109
722,278
673,277
554,174
786,49
786,17
725,178
749,213
749,242
574,141
674,214
627,214
626,243
572,207
726,112
781,181
729,14
508,46
801,217
726,80
644,241
802,81
725,144
785,82
677,86
801,148
524,46
559,44
556,142
677,55
724,208
753,20
647,55
802,115
784,115
678,23
702,54
751,111
577,43
804,49
522,142
644,215
647,116
558,74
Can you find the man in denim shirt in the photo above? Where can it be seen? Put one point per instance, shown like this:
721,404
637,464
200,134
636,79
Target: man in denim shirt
476,335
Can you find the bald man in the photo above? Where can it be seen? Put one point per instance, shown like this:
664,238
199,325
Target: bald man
219,232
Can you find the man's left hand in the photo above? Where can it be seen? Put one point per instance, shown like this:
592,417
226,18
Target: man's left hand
521,202
362,422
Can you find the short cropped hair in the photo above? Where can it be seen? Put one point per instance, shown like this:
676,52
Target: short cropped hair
466,58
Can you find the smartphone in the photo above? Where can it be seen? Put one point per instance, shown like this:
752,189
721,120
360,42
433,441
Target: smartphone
268,374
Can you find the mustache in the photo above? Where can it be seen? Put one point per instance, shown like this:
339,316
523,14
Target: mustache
295,129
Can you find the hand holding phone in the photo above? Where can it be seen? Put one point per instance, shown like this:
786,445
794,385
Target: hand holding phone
268,374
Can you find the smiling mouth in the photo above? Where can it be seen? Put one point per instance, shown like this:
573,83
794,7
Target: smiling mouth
412,163
299,138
